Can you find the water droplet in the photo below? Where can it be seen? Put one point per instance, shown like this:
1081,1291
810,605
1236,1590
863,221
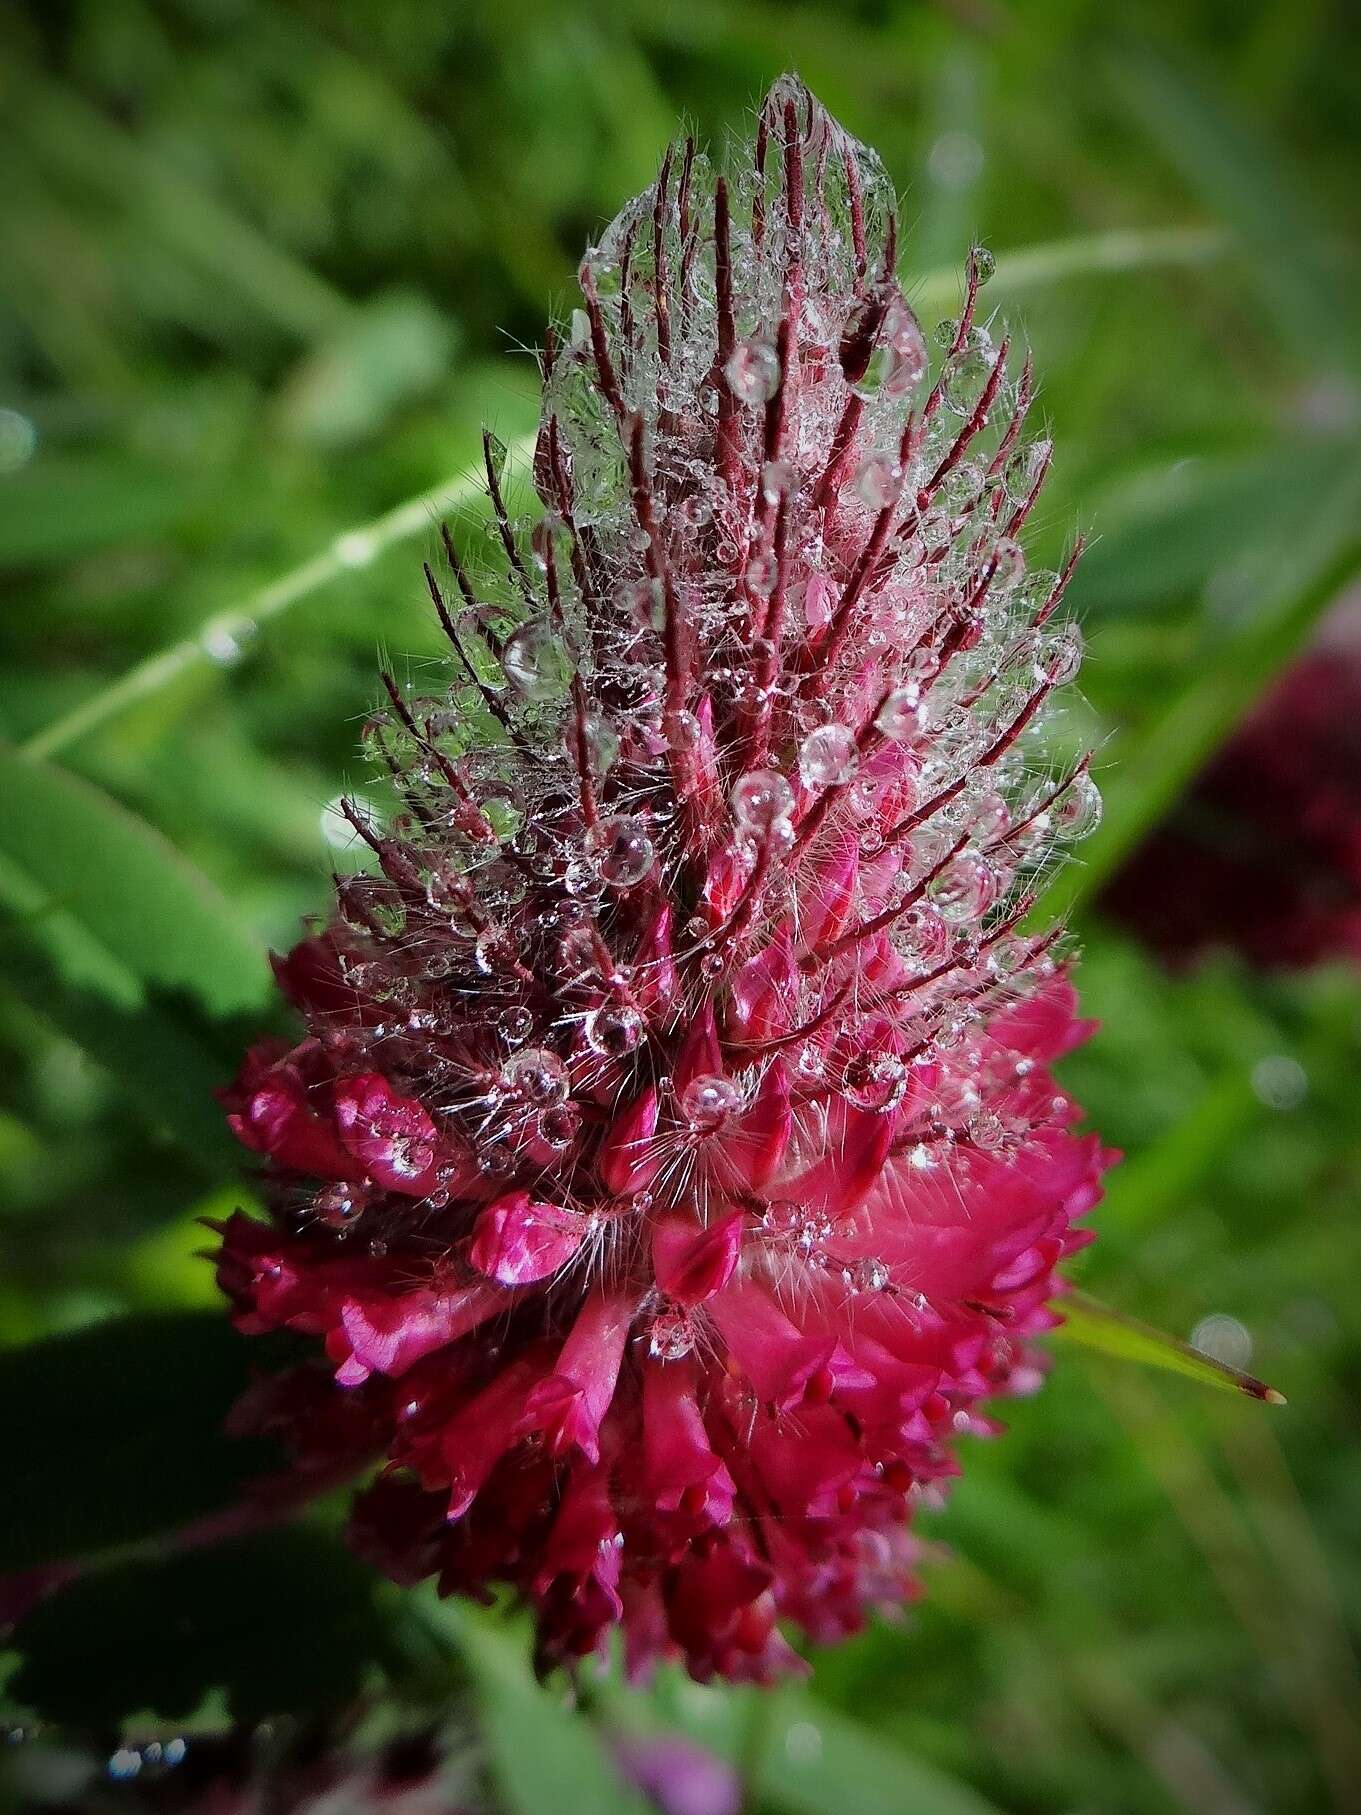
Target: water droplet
870,1276
876,482
340,1206
1060,655
683,730
964,892
537,662
613,1030
902,715
1280,1082
761,800
672,1336
560,1125
620,850
536,1076
1077,812
898,361
18,440
753,371
516,1025
828,757
602,743
984,263
708,1100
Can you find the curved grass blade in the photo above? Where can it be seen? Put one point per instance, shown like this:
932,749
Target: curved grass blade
1098,1326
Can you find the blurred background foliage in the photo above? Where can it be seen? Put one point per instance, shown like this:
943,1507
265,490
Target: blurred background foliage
268,265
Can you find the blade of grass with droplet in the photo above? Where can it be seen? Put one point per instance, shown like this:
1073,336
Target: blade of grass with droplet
353,549
1097,1326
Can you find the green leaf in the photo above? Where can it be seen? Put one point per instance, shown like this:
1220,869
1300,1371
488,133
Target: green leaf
285,1622
120,911
543,1754
114,1434
1110,1332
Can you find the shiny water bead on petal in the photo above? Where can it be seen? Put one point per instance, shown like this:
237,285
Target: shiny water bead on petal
340,1206
613,1030
1060,655
870,1276
876,481
536,1076
984,263
708,1100
1077,811
945,332
761,799
990,816
753,371
560,1126
924,936
965,891
582,880
903,715
620,850
874,1080
828,756
537,662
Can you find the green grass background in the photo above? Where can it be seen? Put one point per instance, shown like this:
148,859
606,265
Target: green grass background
266,266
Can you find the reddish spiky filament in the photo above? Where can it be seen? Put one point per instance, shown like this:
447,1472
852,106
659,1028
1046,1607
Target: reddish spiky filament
672,1164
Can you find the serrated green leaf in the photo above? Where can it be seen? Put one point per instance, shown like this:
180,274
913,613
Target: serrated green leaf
1094,1325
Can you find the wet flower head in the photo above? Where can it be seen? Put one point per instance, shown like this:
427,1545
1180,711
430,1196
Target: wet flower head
672,1163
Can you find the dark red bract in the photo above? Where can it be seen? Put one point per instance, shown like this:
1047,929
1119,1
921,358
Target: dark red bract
673,1164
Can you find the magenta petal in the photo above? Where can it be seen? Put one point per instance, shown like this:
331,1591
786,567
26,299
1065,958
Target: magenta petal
692,1263
391,1135
517,1241
629,1158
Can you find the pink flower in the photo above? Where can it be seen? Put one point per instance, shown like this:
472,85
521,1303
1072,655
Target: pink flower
673,1163
1264,855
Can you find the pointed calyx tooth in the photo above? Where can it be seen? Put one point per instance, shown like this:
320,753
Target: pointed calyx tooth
672,1161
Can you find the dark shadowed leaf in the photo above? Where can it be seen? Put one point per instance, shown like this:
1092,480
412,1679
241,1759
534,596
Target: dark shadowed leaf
115,1434
282,1622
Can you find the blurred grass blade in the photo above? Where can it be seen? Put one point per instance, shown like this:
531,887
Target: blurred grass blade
118,907
1110,1332
1088,254
543,1755
353,549
1248,183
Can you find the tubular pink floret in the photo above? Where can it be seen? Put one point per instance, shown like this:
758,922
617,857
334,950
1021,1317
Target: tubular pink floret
672,1164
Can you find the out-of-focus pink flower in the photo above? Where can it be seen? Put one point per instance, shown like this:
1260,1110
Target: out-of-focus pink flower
1263,854
679,1777
673,1163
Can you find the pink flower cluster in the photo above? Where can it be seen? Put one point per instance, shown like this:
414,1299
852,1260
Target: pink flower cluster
672,1164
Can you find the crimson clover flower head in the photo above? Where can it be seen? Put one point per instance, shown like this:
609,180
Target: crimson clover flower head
672,1164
